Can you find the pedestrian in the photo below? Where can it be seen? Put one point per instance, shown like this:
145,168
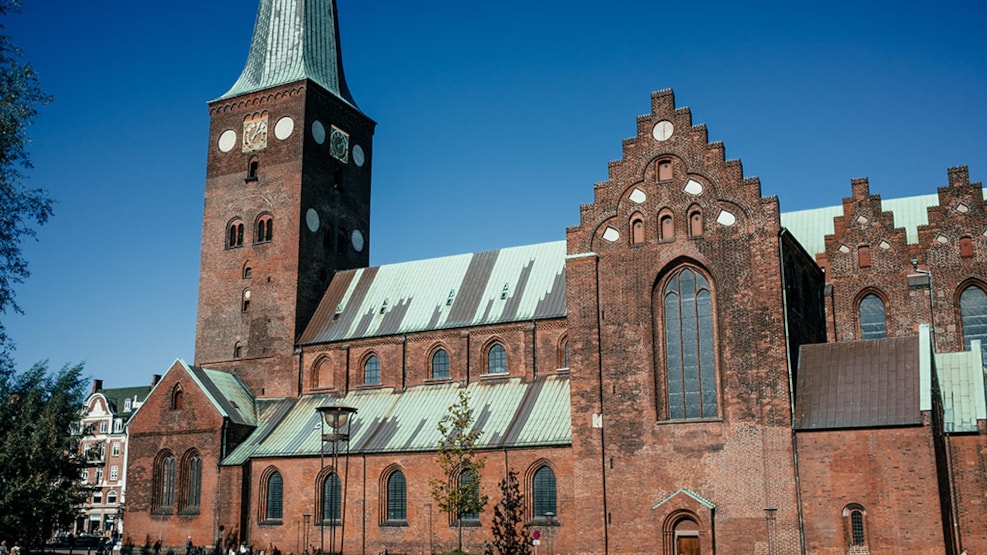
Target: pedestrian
188,546
157,547
3,548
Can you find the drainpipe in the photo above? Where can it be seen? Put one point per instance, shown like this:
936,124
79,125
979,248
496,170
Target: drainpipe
791,388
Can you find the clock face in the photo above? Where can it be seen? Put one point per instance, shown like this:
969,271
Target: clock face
662,130
339,144
255,133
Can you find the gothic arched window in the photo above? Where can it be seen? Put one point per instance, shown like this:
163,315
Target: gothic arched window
371,371
273,485
873,320
973,313
397,497
543,492
331,495
690,353
440,365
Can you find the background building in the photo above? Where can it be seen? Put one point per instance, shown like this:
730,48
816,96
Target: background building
104,449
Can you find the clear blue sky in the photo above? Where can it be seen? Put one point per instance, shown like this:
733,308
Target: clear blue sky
495,120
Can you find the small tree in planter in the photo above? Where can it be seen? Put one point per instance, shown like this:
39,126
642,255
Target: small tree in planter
458,491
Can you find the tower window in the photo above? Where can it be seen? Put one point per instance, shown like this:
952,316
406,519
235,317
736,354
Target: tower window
265,229
234,234
245,301
252,167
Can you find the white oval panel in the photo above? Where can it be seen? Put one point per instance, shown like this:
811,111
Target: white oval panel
611,234
638,196
357,239
693,187
284,127
318,132
227,140
726,218
312,220
358,157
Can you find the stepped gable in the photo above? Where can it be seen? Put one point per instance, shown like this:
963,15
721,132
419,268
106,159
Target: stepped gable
864,223
700,179
960,214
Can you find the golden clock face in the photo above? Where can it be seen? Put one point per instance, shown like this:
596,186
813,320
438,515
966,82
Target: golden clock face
339,144
255,133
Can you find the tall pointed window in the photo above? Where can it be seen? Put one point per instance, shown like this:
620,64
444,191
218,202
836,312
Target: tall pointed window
164,483
331,495
973,313
397,497
873,320
273,496
191,482
690,355
543,492
468,481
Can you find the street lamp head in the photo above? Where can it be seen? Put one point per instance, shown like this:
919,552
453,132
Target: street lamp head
335,415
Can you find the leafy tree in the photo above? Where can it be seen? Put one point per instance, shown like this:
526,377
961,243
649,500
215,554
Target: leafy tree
39,466
21,209
457,459
510,535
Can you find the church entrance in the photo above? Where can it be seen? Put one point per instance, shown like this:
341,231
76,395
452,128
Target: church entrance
687,545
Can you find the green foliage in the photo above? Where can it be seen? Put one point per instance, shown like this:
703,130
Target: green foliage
39,468
457,458
20,209
510,535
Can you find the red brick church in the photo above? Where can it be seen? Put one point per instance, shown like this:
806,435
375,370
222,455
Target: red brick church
691,371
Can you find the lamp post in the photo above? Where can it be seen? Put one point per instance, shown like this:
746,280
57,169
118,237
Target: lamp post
306,520
337,418
549,523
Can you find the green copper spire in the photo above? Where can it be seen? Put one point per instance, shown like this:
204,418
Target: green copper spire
294,40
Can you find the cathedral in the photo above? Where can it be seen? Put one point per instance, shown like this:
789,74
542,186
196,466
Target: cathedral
690,371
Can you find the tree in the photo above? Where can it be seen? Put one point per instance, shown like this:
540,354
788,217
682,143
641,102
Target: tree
21,209
458,491
510,535
39,463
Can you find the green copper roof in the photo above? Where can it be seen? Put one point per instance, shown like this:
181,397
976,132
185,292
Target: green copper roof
294,40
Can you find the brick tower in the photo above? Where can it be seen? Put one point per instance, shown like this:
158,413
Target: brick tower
287,199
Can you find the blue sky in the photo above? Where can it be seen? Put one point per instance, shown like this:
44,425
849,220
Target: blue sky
495,119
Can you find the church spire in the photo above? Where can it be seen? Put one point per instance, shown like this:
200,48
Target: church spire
294,40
